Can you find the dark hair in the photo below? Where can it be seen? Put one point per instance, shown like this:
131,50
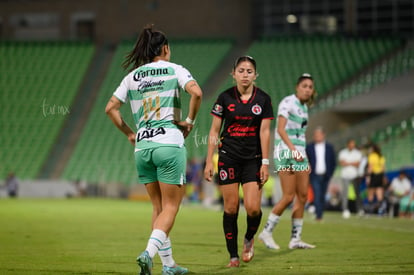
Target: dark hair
350,140
376,149
304,76
245,58
148,46
402,172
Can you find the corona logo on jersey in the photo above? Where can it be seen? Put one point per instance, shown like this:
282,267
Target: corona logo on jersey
256,109
139,74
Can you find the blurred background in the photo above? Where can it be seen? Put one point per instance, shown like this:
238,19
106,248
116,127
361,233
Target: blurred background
60,61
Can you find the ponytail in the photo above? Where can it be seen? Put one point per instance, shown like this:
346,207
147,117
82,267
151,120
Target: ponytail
148,46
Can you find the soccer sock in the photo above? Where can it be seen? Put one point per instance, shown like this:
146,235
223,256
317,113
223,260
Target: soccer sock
155,242
271,223
165,254
252,226
297,228
230,233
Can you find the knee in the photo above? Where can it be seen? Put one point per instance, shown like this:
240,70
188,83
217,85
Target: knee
253,211
302,198
288,199
231,207
231,210
171,207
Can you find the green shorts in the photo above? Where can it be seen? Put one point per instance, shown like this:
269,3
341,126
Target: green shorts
165,164
285,163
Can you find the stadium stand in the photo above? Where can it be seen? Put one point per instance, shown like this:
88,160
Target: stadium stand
400,63
396,142
38,81
372,91
331,60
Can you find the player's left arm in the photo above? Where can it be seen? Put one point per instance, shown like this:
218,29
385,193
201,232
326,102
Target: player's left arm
112,110
265,145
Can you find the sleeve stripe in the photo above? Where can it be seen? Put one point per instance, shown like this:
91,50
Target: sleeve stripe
123,101
213,114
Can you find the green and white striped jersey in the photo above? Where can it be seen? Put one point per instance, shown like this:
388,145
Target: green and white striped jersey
297,120
154,94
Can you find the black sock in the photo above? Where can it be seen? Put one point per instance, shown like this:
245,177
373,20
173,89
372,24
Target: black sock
252,226
230,233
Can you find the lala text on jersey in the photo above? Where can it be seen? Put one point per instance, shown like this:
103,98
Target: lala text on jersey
150,133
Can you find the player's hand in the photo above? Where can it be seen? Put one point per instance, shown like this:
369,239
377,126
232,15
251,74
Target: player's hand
309,170
131,138
208,171
184,127
297,155
264,173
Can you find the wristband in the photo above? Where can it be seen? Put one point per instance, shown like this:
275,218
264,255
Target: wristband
189,121
265,162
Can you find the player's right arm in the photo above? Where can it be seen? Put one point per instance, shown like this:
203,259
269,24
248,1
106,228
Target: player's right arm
112,110
213,140
194,105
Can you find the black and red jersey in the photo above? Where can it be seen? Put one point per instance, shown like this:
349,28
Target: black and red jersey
240,137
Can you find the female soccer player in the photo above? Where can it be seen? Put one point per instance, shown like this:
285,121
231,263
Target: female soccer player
291,162
152,87
243,148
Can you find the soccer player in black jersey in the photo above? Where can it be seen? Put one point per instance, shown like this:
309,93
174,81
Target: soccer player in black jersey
243,147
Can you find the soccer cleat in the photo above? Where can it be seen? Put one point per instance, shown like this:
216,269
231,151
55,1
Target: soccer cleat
145,262
267,239
234,262
166,270
248,250
294,244
346,214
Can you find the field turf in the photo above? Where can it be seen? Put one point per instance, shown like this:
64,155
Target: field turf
104,236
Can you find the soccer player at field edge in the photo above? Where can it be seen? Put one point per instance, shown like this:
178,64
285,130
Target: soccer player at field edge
291,162
153,89
243,148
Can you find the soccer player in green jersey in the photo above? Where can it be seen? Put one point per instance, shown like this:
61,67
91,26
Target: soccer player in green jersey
153,89
291,162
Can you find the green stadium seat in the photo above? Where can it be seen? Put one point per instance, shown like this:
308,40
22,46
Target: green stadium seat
35,73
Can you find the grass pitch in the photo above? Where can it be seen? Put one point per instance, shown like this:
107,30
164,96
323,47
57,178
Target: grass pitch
104,236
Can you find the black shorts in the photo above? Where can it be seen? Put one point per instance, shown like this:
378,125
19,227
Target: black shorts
240,171
377,180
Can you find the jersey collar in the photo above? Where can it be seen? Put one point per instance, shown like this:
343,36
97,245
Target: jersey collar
250,100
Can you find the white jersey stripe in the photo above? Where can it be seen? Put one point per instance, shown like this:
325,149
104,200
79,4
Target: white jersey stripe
297,119
154,94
